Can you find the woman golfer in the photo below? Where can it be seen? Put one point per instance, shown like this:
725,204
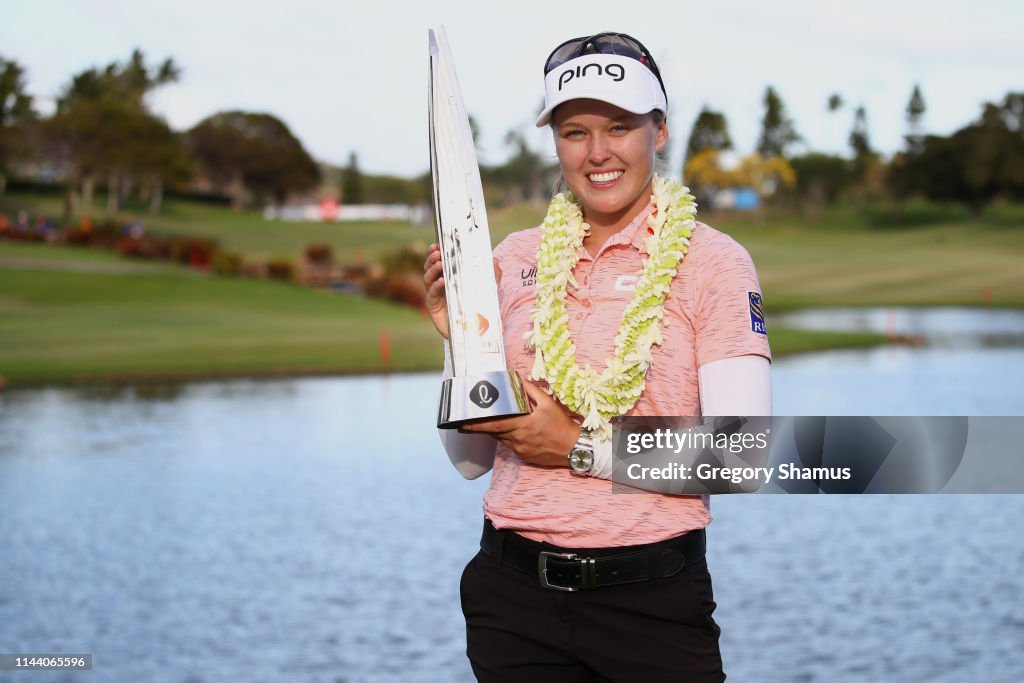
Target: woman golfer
619,304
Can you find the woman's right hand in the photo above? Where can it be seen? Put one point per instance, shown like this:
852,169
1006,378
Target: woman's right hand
433,278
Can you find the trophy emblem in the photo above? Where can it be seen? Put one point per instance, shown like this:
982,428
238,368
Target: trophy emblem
482,386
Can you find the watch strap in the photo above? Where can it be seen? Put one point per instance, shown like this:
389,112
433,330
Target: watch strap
585,442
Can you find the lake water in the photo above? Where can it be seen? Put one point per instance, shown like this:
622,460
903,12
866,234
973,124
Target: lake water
313,530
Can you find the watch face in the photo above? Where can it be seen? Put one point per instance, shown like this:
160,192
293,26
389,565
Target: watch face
581,459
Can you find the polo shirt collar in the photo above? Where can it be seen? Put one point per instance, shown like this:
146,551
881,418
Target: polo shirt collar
635,233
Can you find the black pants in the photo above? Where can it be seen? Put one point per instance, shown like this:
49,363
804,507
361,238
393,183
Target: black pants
650,631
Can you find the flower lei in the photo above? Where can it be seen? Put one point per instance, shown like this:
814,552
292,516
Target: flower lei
600,396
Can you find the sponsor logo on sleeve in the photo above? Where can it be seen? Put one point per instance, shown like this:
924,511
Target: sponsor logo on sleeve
756,313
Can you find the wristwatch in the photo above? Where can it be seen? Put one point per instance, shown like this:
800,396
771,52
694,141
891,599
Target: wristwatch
581,457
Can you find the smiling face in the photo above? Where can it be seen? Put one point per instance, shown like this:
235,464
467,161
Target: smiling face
607,158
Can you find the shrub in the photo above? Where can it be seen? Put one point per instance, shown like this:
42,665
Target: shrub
320,254
281,269
144,247
227,263
200,253
105,234
401,276
253,269
405,288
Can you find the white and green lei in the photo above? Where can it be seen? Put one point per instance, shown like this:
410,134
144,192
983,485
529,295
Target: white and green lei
598,397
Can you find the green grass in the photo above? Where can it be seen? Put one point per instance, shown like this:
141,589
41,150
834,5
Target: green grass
852,257
27,252
788,341
72,326
925,255
72,314
256,238
60,324
35,256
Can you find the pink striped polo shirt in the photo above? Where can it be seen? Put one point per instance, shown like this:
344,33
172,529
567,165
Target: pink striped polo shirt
713,312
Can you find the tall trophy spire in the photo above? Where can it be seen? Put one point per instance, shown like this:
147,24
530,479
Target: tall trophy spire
482,387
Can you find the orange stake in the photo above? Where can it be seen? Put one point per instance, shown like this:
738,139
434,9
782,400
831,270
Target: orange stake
385,347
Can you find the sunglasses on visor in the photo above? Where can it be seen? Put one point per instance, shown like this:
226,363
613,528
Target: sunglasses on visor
603,44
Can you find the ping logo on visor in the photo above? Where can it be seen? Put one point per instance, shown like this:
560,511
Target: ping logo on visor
616,71
756,313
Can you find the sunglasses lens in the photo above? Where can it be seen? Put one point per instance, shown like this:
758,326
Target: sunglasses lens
604,44
622,46
563,53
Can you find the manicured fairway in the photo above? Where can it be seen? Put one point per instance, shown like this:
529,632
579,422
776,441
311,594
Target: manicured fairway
68,325
959,262
64,318
847,255
70,314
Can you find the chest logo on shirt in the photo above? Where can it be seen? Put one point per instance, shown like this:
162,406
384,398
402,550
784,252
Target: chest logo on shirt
625,283
529,276
756,313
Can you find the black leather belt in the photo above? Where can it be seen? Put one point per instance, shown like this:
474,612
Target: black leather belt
572,570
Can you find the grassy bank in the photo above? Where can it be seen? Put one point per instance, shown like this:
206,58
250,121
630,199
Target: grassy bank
851,255
73,315
73,322
251,235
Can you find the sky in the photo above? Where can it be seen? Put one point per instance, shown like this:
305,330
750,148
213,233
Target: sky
351,76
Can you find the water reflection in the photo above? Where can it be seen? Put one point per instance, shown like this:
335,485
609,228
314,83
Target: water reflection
961,328
972,363
144,391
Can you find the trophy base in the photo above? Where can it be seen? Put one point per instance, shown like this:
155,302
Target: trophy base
481,397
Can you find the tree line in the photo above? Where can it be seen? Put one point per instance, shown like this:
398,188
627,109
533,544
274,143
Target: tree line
974,165
102,132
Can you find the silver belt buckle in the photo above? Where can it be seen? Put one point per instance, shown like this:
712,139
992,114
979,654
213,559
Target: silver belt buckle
542,569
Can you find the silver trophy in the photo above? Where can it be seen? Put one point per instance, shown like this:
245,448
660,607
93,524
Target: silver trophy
482,387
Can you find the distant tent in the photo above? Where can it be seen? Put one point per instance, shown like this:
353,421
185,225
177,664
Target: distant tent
737,199
747,199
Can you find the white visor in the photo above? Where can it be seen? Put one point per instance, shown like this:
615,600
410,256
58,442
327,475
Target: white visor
617,80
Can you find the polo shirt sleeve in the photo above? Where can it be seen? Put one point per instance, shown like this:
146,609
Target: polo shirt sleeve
729,318
515,252
500,254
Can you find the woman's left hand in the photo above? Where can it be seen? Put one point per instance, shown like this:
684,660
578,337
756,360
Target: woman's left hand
544,437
